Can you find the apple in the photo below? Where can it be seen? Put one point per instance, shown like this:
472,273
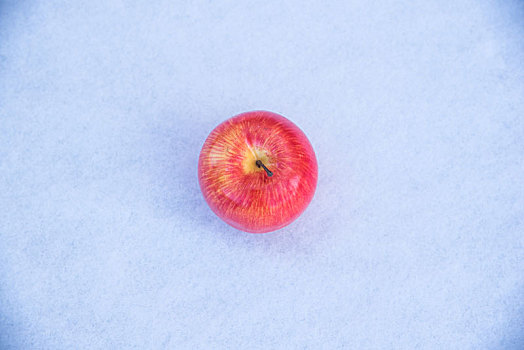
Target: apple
257,171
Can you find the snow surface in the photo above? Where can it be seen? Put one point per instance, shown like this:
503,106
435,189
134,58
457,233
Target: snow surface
415,237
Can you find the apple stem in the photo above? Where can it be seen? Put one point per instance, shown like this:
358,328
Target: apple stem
260,164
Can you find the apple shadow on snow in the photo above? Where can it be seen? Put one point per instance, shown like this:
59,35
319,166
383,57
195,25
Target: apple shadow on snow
175,149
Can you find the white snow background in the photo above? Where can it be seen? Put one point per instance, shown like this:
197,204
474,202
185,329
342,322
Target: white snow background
415,237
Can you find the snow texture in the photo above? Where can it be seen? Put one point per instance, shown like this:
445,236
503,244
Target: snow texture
415,237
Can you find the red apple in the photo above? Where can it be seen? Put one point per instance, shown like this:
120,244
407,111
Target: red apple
257,171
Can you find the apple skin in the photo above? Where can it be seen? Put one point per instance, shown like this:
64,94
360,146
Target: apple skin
240,192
